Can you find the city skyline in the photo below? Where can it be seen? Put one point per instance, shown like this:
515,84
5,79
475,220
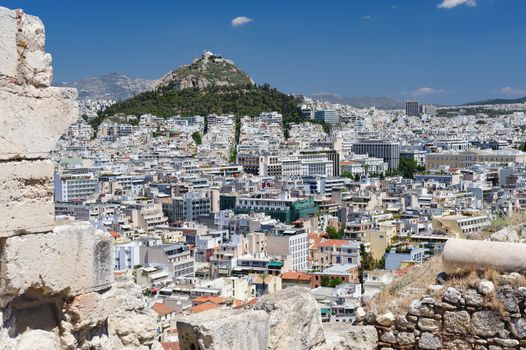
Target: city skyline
445,52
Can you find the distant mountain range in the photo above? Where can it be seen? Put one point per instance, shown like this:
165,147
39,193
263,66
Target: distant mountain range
499,101
112,86
361,102
216,71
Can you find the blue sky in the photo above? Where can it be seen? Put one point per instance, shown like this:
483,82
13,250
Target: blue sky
465,50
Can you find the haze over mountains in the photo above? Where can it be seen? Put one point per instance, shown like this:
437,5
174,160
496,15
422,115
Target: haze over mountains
113,86
119,87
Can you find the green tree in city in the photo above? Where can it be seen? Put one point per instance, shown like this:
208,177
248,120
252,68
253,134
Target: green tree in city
326,281
334,233
408,168
196,135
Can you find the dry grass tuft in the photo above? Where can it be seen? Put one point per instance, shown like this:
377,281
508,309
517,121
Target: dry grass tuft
397,296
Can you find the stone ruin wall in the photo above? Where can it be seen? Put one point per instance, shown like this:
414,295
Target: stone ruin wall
478,316
57,289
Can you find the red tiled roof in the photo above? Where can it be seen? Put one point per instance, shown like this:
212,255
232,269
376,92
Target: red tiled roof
204,307
212,299
239,304
333,242
292,275
161,309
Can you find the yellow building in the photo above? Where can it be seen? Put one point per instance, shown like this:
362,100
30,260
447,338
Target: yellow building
459,225
378,241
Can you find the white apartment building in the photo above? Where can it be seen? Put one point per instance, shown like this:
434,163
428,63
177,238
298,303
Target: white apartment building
270,117
145,214
190,206
74,186
291,244
126,256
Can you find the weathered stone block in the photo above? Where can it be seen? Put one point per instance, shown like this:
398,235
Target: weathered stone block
295,320
430,341
220,329
486,323
73,259
344,337
8,49
457,322
89,310
32,119
26,197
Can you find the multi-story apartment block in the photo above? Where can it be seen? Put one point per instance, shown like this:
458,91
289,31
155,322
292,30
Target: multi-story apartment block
145,214
459,225
190,206
284,209
71,186
174,258
388,151
126,256
291,243
411,108
328,116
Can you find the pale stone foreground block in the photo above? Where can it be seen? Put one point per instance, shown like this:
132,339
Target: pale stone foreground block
294,319
462,254
73,258
26,197
225,330
32,119
8,49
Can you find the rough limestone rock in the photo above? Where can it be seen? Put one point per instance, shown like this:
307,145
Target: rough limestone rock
26,197
341,336
486,287
131,322
73,258
509,300
8,31
294,319
430,341
452,295
224,330
486,323
386,320
288,319
457,321
33,119
508,234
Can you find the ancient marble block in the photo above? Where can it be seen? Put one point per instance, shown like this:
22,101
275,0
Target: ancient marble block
72,259
8,47
224,329
33,119
26,197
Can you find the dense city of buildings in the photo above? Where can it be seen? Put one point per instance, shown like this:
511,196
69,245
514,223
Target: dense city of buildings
208,211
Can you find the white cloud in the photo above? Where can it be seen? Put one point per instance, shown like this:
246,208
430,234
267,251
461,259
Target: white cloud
241,20
449,4
425,91
367,17
512,92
